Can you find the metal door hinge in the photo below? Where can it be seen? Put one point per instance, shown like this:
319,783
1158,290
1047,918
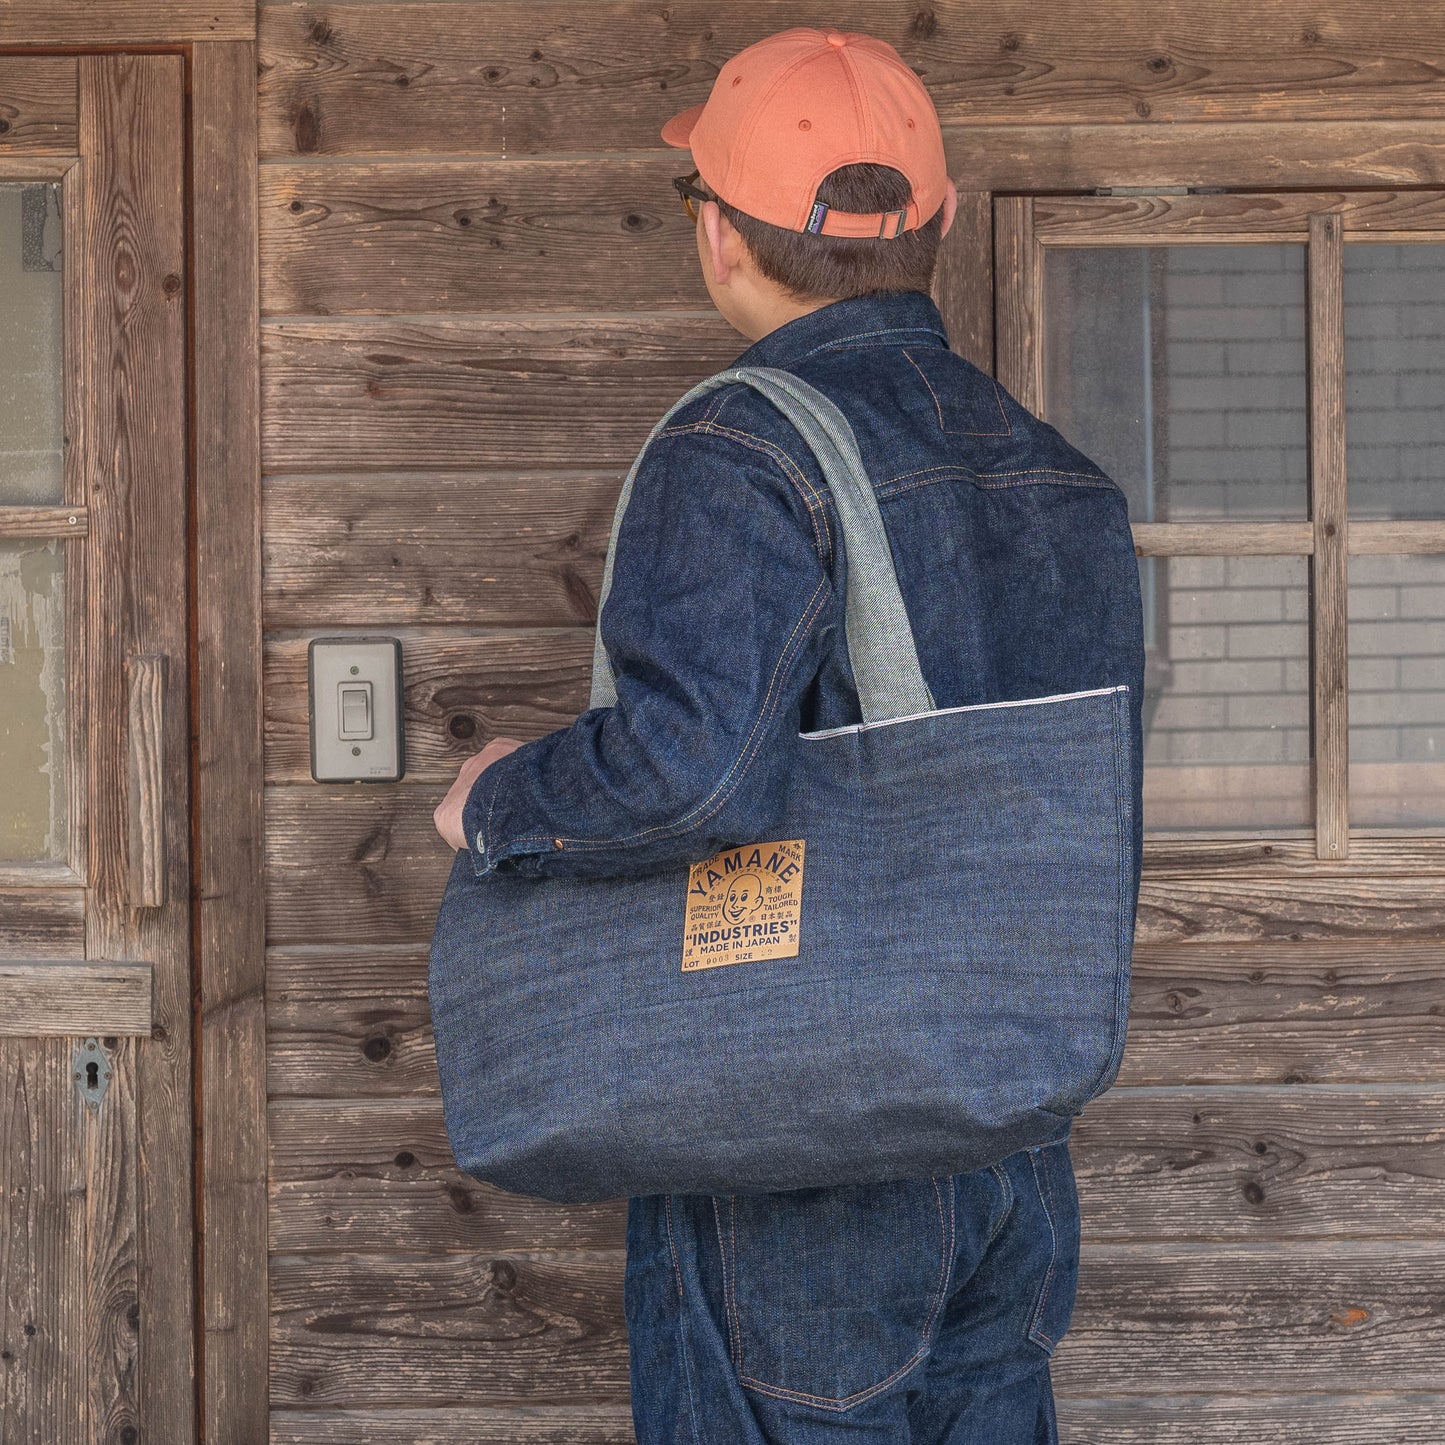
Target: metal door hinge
90,1066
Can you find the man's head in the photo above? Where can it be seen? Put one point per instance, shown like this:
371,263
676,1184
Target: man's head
821,158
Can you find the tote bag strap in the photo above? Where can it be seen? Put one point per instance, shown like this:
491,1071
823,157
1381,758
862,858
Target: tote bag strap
880,643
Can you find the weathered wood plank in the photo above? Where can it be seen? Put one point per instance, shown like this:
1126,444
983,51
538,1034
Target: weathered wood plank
499,549
963,279
469,1327
351,1023
43,922
230,764
380,1175
467,393
146,778
345,864
411,77
1201,1318
39,99
1287,1013
125,22
1321,154
1245,1163
1252,1163
1223,539
1329,593
1241,1419
54,996
461,690
1403,1419
490,235
131,291
47,1138
1149,1320
44,521
1246,216
1018,282
458,1425
1309,906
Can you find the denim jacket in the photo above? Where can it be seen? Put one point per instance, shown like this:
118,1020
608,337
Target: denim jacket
724,623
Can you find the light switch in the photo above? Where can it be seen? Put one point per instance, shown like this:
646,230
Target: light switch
356,720
355,709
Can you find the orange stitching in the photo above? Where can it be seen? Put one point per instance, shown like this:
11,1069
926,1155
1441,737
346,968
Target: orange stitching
825,1402
812,499
672,1244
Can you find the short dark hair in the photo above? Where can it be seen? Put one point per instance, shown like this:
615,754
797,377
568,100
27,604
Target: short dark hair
818,268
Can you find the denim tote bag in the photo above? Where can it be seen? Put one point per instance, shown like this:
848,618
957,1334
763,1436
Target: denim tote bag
922,968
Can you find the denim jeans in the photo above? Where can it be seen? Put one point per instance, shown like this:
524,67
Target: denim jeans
917,1313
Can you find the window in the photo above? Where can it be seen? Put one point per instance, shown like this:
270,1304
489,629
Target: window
1264,375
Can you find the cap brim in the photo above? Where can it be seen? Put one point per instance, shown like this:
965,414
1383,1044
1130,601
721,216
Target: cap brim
679,128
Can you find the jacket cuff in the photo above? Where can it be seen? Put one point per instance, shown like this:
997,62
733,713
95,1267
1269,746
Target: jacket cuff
489,854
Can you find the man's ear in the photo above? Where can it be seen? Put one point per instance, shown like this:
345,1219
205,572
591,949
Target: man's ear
723,243
950,207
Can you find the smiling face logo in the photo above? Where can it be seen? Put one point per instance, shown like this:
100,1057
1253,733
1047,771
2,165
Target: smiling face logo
744,897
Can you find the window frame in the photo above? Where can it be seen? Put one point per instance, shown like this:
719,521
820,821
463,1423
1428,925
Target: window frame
1322,221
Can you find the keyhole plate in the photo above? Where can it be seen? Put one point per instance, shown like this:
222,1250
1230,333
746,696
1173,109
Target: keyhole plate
90,1067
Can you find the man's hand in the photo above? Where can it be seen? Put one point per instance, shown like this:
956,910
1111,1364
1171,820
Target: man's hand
448,816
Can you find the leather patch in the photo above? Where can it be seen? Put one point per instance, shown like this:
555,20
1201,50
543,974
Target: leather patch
744,904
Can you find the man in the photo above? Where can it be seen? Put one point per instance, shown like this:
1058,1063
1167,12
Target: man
920,1310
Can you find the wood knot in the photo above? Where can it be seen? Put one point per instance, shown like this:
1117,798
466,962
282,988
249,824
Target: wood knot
378,1048
923,25
503,1275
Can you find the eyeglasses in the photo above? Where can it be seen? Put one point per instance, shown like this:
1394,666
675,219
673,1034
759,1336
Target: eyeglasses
692,196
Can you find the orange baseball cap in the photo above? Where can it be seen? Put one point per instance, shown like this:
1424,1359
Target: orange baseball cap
790,108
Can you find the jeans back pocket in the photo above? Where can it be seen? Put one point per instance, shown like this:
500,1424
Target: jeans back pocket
832,1294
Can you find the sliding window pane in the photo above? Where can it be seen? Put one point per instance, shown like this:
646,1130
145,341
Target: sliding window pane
1226,693
32,701
1397,691
1181,371
1395,379
31,466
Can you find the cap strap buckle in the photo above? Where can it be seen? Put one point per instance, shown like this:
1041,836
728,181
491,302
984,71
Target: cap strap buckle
897,230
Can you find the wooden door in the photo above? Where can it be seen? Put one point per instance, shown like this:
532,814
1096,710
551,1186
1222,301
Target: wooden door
96,1245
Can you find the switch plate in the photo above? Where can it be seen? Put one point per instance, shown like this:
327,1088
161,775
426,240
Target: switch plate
355,690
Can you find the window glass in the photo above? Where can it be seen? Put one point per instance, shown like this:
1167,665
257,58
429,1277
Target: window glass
1181,371
1226,693
32,701
1395,379
1397,691
31,469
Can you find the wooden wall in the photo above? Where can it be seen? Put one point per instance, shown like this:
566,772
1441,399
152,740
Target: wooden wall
478,291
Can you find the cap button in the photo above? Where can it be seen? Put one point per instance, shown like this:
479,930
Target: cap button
836,37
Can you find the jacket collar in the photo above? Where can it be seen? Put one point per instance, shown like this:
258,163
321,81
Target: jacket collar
890,318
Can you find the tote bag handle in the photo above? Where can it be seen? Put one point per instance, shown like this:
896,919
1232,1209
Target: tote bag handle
881,648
